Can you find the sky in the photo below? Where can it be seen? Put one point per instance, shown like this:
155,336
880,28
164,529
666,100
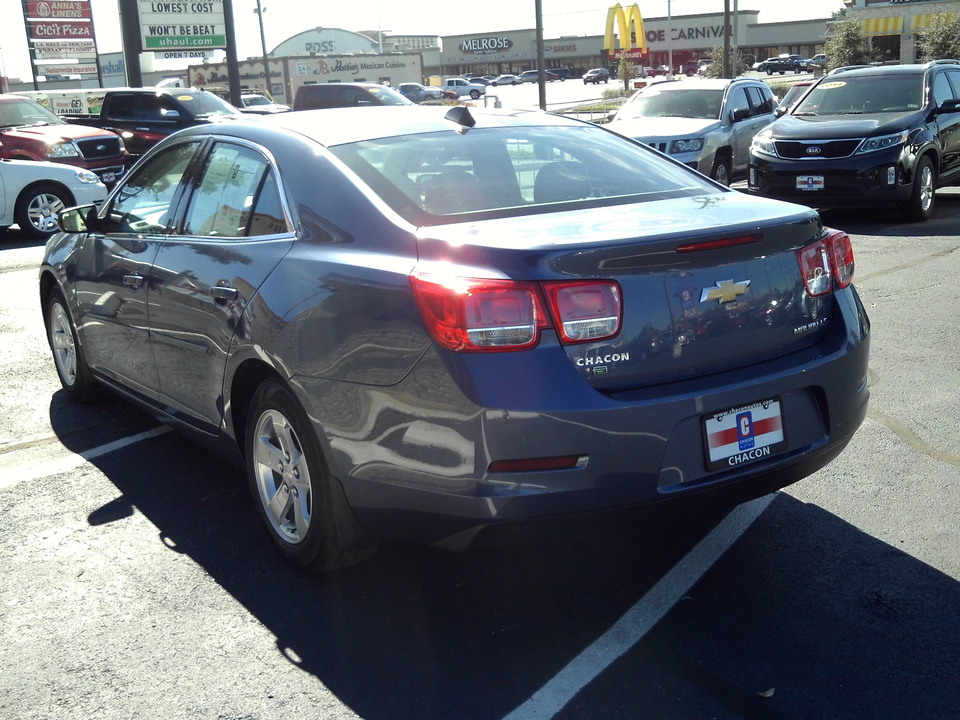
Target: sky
285,18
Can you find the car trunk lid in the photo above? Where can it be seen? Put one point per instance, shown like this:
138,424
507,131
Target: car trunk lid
706,283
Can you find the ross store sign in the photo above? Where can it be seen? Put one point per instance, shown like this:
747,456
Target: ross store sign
631,45
196,25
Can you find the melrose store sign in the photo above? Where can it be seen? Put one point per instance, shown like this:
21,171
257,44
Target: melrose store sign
694,32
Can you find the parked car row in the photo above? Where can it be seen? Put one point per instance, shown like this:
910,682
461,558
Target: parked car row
875,136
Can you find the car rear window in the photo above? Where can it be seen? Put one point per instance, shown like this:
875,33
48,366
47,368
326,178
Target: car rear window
441,177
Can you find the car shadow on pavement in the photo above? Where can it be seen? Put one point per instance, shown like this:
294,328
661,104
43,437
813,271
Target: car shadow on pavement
888,222
421,633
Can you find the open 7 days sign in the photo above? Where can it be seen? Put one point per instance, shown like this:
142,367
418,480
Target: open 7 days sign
182,25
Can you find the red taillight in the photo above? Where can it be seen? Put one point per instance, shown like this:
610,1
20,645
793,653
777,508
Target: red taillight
585,311
478,315
843,264
829,258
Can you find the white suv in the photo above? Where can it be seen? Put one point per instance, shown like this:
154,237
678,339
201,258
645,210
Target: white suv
706,124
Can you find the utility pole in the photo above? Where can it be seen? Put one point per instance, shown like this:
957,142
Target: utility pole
132,42
541,70
233,65
726,70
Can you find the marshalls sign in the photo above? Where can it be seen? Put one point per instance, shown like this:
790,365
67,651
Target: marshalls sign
190,25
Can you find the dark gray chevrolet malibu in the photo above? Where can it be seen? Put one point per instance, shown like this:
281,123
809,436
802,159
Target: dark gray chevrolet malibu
415,323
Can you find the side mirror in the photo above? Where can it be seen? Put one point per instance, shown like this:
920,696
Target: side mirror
949,106
741,114
780,111
79,219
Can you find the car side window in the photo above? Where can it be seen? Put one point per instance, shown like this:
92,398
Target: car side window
954,78
737,100
145,202
761,99
235,197
941,89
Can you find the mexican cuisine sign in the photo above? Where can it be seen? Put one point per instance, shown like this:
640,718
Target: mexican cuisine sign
189,25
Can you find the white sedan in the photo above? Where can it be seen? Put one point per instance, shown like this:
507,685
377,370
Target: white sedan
32,194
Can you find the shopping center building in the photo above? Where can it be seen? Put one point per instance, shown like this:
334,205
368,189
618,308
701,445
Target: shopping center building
893,26
337,55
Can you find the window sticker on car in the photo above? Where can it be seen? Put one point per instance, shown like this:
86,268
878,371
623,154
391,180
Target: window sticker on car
830,85
744,434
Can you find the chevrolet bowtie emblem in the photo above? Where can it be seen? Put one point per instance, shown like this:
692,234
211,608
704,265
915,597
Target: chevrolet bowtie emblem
725,291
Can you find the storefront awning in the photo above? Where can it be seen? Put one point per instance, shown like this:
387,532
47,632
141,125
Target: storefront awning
924,22
883,26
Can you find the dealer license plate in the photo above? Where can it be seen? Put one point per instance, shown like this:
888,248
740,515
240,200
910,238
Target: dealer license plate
744,434
810,182
108,177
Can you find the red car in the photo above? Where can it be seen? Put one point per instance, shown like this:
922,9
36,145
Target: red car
29,131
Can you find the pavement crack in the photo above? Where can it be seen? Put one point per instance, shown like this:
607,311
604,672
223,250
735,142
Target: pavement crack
910,437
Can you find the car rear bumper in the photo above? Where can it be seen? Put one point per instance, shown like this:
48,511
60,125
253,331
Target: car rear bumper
424,476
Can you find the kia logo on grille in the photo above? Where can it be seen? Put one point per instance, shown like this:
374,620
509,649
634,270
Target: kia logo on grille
813,150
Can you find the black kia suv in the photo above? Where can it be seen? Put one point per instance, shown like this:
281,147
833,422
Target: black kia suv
865,136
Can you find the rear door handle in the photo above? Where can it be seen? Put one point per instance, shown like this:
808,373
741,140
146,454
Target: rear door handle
222,292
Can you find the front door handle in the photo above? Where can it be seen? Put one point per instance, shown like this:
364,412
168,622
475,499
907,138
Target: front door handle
135,280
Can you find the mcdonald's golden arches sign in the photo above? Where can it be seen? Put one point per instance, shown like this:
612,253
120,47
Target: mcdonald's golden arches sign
633,40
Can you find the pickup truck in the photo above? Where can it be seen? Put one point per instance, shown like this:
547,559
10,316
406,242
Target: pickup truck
141,116
462,87
29,131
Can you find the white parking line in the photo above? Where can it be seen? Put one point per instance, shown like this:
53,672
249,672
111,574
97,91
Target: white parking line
638,620
14,476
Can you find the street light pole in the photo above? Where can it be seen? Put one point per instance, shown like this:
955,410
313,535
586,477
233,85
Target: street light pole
263,46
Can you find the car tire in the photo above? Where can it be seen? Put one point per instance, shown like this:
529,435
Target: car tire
37,209
72,369
797,69
290,484
922,198
721,170
769,71
474,94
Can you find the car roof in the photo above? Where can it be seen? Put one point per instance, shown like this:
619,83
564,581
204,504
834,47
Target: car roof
700,84
860,70
337,126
